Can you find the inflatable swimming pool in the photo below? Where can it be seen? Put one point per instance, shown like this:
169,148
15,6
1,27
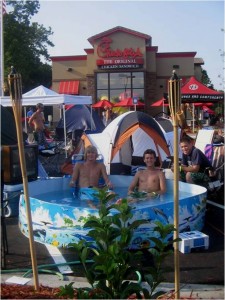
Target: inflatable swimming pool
55,212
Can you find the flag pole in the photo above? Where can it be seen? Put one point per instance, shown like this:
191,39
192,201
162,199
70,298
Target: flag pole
15,89
174,93
1,49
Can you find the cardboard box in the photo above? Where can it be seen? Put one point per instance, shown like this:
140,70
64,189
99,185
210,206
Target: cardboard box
191,240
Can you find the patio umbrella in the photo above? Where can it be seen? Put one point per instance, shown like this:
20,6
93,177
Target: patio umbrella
102,104
201,104
209,110
128,102
160,102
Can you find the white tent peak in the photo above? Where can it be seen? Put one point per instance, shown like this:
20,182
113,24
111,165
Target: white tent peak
40,91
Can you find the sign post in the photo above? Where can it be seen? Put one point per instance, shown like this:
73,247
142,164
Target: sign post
135,102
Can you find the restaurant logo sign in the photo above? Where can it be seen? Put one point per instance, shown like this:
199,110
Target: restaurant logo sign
193,87
118,58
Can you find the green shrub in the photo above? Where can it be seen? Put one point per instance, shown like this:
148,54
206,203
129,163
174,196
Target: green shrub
112,272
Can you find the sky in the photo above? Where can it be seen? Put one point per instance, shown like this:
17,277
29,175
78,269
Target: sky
175,26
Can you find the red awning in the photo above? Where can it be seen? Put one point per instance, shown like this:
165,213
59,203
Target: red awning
69,87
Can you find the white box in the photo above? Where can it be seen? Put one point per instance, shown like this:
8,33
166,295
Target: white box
192,239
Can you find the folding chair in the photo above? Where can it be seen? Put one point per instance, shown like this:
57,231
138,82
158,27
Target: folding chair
215,154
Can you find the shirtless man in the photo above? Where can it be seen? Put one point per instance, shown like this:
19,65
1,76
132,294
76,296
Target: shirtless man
37,119
88,174
151,180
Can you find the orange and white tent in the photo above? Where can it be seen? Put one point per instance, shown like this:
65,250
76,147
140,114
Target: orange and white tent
123,142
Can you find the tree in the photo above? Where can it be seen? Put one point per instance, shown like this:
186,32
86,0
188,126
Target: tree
206,80
25,45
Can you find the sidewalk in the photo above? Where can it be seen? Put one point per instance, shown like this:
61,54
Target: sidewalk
188,291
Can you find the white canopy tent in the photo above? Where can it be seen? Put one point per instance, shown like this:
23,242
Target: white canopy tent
46,96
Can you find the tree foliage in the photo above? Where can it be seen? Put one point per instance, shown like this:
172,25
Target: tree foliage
25,44
206,80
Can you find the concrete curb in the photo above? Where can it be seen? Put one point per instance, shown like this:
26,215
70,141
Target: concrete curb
188,291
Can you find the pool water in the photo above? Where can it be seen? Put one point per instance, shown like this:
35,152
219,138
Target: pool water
68,197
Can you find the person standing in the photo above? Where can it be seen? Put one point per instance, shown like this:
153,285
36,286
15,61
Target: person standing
37,120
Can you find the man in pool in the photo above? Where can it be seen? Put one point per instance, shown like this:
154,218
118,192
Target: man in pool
87,174
151,181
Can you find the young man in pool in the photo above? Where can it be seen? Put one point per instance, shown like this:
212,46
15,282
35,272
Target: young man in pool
194,163
151,180
87,175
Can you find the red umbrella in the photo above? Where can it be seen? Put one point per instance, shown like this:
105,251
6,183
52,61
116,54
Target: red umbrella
201,104
128,102
102,104
209,110
160,102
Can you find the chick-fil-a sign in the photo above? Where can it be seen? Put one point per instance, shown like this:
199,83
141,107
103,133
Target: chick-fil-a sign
104,50
125,56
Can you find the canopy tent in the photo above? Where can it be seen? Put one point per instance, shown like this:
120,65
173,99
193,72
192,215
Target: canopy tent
46,96
194,91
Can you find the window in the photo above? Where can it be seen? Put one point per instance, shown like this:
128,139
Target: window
118,86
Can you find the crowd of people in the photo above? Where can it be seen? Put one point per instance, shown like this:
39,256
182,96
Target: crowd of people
194,168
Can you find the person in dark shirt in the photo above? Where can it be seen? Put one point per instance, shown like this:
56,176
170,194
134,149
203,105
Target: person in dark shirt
195,165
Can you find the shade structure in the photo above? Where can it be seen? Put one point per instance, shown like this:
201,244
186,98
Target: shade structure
207,109
194,91
201,104
128,102
160,102
102,104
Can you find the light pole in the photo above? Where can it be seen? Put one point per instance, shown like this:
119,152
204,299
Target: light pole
126,77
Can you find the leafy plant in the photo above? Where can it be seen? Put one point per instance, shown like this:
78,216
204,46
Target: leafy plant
112,273
67,290
161,249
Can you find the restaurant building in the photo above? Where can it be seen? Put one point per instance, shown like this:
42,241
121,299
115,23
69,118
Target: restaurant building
122,63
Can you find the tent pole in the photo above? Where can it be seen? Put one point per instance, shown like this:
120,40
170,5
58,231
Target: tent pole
25,118
91,118
64,125
193,125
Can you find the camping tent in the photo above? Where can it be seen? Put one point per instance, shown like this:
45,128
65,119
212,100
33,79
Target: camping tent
123,142
46,96
167,128
8,127
80,117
